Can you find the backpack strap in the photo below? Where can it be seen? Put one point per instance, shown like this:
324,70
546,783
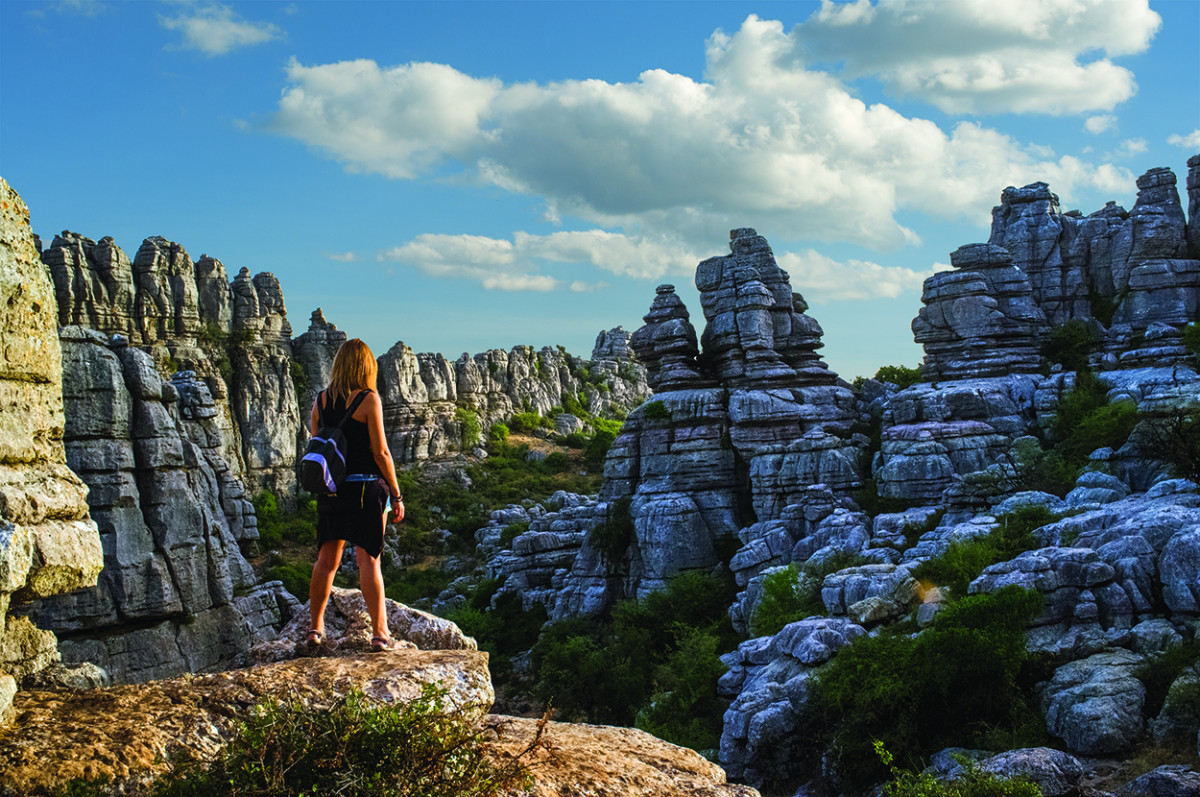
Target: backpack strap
324,397
362,394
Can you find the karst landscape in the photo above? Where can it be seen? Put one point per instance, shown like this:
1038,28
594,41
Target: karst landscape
990,564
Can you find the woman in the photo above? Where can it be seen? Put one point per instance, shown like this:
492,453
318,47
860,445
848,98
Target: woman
358,512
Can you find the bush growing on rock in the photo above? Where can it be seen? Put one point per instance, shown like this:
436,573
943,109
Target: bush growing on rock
653,662
963,561
655,411
792,593
1068,345
497,434
906,783
468,423
957,683
899,375
353,747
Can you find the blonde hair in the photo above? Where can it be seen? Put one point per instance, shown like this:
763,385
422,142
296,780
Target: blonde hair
354,368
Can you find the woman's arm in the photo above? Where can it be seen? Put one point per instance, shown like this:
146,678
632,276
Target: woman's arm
383,456
314,417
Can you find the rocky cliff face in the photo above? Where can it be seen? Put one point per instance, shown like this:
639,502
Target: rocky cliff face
171,514
1118,574
48,544
186,395
732,429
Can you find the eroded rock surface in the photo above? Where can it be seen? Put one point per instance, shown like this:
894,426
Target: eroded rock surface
129,734
48,543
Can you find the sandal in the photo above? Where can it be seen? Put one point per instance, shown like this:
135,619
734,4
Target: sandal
382,643
314,638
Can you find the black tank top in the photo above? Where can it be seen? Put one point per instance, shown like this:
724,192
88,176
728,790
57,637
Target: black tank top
359,458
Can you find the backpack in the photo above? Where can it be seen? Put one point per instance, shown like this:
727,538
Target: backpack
323,466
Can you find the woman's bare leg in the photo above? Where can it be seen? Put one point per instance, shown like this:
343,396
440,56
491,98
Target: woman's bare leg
328,559
370,581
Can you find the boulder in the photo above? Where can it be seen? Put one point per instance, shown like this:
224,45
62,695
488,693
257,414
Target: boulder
1095,705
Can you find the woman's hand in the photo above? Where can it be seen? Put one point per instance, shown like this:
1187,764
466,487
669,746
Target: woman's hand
397,509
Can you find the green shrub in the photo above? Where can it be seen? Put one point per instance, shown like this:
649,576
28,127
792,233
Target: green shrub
906,783
655,411
1191,338
685,700
524,422
468,423
574,440
412,585
785,599
275,526
612,537
571,404
556,462
793,593
611,670
295,577
1159,673
596,450
500,625
1068,345
1085,420
511,532
419,748
1173,438
871,502
266,509
953,684
300,380
1103,307
497,434
899,375
914,530
963,560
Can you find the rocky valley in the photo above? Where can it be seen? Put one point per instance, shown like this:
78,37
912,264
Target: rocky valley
1033,486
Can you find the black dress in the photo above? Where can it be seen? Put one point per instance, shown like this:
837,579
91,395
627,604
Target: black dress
355,512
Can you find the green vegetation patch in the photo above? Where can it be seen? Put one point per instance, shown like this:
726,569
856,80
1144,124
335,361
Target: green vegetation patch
963,560
1068,345
792,593
906,783
899,375
353,747
957,683
652,662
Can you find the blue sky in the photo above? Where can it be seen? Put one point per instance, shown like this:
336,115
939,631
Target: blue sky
464,176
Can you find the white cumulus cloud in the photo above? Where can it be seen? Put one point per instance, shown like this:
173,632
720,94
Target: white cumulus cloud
980,56
1188,141
215,29
1098,124
759,140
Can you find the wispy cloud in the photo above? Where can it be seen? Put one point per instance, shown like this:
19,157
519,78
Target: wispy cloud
342,257
215,29
518,264
1188,141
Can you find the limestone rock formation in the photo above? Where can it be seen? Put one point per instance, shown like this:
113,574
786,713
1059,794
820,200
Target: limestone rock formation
171,514
742,426
979,320
48,544
1131,272
314,351
424,395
